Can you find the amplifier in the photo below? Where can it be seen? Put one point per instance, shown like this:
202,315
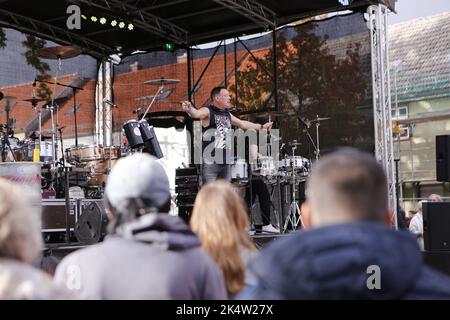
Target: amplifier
184,212
54,215
87,218
191,171
186,180
186,189
186,199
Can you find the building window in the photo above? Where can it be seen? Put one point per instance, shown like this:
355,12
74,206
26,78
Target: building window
399,113
401,132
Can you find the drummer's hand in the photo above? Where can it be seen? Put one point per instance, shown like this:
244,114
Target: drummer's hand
268,125
186,105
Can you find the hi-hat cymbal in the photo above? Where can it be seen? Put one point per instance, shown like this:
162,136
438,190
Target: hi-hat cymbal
319,119
34,100
294,143
162,81
58,52
9,102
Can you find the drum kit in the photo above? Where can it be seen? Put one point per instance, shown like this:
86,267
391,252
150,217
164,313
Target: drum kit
287,174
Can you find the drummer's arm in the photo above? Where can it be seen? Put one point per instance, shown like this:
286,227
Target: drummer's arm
202,113
245,125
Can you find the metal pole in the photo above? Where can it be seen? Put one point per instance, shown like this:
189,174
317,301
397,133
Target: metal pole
225,62
103,102
275,73
235,75
189,121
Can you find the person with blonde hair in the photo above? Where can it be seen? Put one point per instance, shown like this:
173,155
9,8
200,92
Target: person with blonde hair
20,245
221,222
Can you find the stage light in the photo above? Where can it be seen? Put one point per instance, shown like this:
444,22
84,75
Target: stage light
130,26
169,47
114,23
102,20
121,25
93,18
84,17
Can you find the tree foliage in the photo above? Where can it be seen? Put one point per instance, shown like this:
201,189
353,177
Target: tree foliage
312,81
33,44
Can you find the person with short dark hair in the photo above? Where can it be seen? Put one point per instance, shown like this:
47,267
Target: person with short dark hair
349,251
148,254
216,122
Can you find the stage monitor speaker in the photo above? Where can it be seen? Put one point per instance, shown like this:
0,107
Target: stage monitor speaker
91,225
436,226
443,158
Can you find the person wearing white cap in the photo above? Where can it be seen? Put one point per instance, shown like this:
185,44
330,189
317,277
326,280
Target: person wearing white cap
148,254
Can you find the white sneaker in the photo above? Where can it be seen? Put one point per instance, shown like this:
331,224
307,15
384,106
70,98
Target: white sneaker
270,228
251,232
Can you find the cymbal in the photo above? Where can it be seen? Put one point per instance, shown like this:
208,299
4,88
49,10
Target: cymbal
58,52
9,102
34,100
319,119
294,143
162,81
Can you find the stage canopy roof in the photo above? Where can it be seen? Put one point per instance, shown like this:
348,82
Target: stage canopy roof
157,22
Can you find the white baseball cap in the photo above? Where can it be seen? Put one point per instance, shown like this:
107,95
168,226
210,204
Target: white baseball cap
137,176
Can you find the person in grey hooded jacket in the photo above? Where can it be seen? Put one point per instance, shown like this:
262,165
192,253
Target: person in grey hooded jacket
148,254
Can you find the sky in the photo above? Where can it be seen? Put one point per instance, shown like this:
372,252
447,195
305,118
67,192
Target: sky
411,9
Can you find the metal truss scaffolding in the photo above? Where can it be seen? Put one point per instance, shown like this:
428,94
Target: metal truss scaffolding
253,10
384,150
143,19
103,114
40,28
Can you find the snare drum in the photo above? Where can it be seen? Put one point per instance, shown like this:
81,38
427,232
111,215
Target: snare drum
266,166
239,170
111,152
84,153
297,163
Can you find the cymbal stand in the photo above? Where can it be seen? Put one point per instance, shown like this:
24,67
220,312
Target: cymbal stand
311,140
153,100
5,142
294,216
54,127
317,138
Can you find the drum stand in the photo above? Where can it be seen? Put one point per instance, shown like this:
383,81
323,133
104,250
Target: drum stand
5,142
294,216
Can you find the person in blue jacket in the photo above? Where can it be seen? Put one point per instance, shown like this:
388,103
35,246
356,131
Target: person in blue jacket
349,250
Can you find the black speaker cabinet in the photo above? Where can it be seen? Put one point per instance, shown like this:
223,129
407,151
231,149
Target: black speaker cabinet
443,158
54,215
436,226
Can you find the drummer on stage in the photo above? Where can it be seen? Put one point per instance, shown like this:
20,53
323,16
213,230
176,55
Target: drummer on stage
216,122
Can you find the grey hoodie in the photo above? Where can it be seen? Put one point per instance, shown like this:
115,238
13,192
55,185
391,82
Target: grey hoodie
154,257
